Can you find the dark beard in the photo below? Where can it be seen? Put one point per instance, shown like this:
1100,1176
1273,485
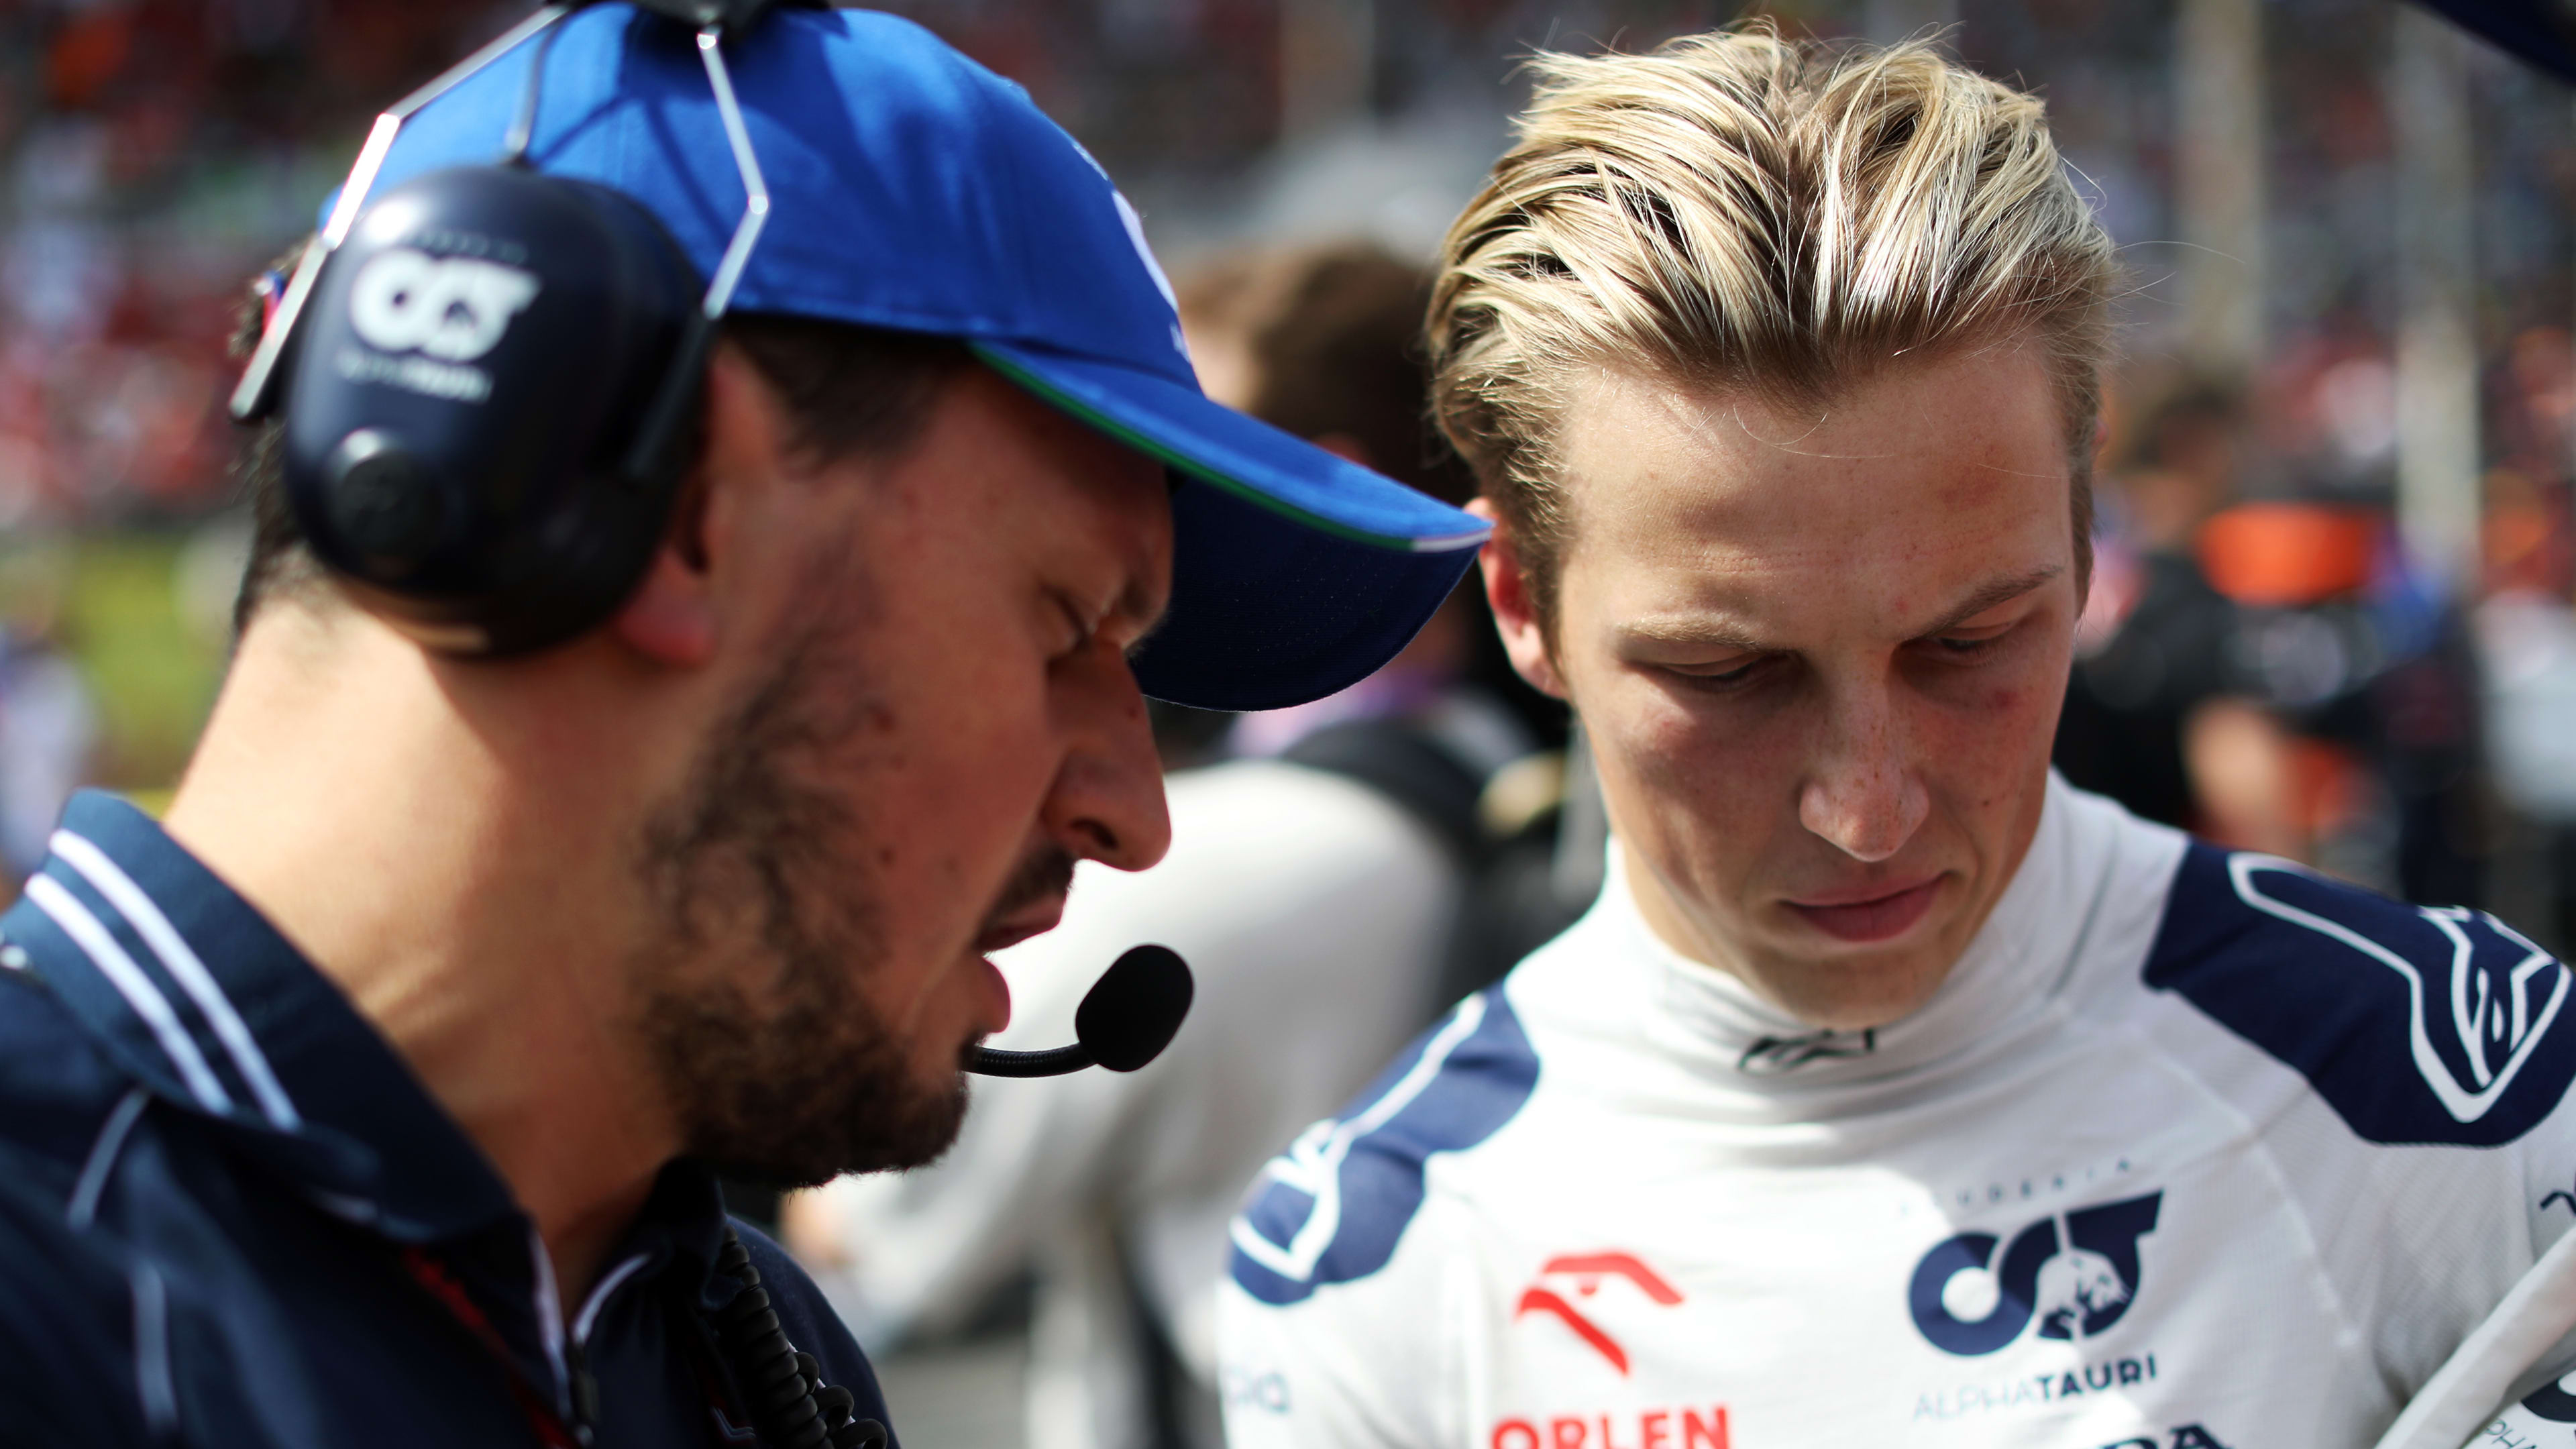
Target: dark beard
806,1081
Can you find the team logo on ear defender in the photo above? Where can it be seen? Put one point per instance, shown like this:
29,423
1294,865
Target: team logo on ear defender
448,310
454,309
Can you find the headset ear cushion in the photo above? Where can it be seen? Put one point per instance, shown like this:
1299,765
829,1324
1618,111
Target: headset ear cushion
468,381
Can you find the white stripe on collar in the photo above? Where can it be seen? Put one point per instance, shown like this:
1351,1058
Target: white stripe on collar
102,1157
134,986
184,966
550,1320
154,1382
588,1318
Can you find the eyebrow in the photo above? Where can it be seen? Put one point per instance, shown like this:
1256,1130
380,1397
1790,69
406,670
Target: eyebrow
1708,632
1726,634
2001,591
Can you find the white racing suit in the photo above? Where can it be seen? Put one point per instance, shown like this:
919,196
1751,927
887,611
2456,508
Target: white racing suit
2191,1150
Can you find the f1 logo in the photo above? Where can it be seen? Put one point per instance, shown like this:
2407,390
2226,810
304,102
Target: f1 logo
454,309
2076,1280
1587,1270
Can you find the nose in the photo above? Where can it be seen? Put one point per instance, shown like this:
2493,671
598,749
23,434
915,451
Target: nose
1107,800
1862,792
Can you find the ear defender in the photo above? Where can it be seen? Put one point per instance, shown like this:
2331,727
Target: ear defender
468,381
494,372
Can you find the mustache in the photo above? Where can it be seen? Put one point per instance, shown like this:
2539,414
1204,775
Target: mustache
1044,874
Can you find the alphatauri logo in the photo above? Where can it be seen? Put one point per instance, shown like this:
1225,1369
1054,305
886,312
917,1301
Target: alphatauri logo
2074,1277
454,309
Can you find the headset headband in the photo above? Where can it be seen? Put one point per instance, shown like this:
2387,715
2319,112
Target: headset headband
255,398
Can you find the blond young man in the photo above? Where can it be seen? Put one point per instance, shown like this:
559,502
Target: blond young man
1895,1092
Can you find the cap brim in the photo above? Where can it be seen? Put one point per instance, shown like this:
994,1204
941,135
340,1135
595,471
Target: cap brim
1295,573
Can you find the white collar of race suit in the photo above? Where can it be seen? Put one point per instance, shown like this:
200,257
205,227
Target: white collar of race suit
2011,982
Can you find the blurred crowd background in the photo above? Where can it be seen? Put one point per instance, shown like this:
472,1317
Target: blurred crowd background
2333,617
2346,226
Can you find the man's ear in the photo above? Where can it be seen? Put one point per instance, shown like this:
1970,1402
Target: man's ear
1507,589
675,615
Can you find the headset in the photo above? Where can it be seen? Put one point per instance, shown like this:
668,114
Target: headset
495,373
488,378
492,374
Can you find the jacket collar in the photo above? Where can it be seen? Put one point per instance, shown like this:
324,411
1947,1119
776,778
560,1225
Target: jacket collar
2004,983
1610,985
192,991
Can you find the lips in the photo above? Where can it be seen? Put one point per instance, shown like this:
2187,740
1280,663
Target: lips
997,1001
1031,901
1004,934
1035,919
1873,917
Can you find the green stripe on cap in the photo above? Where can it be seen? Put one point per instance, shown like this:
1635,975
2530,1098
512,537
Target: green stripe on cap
1195,468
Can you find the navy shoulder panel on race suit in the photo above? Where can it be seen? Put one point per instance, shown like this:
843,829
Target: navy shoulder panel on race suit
1333,1206
2416,1024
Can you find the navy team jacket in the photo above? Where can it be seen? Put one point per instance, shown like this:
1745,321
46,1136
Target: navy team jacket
229,1215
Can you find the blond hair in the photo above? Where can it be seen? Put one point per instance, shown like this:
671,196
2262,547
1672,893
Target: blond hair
1745,212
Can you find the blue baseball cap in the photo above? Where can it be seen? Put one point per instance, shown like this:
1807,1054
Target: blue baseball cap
912,189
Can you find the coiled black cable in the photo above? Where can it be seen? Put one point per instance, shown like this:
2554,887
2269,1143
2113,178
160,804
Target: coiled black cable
791,1407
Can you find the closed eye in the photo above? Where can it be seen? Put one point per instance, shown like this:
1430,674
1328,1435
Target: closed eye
1725,674
1968,644
1077,627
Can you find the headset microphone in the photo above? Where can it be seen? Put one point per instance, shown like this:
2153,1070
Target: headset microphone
1130,1014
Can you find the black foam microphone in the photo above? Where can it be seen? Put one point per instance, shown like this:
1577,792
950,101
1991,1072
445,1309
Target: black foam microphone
1130,1014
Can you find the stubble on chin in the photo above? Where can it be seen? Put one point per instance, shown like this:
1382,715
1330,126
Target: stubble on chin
749,1005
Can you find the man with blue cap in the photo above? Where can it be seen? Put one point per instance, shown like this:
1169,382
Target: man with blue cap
728,483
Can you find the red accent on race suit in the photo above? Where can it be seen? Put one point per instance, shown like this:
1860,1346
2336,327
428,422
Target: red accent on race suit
1588,1269
1666,1428
1541,1300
